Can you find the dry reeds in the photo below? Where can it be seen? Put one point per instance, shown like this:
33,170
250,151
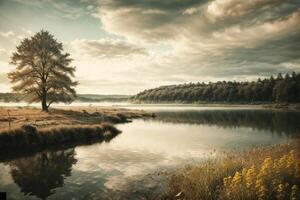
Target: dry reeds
263,173
29,136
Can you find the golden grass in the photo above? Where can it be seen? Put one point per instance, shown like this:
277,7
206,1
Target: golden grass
262,173
16,117
31,127
29,136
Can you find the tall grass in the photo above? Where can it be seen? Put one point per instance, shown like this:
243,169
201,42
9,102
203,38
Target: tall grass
262,173
29,136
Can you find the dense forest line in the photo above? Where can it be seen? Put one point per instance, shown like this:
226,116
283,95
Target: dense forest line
280,89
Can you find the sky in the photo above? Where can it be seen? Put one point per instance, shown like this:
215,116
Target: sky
126,46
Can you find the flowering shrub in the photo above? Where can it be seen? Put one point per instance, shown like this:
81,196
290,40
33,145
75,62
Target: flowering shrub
273,179
262,173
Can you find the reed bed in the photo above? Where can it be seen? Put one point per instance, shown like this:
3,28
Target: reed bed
28,136
262,173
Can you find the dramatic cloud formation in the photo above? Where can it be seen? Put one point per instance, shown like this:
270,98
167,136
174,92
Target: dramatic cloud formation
212,38
106,48
148,20
124,46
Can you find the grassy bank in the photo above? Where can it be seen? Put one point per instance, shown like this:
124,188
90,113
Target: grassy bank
66,116
29,136
32,128
263,173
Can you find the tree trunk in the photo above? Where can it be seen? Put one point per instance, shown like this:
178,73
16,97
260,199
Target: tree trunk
44,101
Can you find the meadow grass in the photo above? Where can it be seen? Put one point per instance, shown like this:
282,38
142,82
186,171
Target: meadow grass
66,116
31,127
261,173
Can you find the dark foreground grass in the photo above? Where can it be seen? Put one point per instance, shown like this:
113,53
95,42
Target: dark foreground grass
262,173
29,136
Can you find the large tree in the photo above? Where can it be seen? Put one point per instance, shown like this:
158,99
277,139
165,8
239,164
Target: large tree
43,72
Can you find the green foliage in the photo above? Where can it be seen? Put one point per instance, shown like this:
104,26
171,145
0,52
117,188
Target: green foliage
43,72
281,89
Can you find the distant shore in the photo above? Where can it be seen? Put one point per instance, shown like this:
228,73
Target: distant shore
137,106
284,106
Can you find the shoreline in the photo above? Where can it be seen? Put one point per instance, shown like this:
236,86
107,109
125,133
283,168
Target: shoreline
14,117
288,106
31,128
29,138
121,106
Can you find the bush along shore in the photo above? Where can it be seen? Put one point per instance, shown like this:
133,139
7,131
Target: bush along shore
28,136
262,173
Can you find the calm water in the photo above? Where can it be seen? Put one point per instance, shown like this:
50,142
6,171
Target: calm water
129,166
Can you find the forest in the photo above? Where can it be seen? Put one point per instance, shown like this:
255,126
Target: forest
282,89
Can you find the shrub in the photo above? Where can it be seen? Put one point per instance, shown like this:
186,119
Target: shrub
263,173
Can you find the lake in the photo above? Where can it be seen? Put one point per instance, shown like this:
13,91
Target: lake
133,164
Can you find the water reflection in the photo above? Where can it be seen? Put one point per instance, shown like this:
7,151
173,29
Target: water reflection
125,167
40,174
269,120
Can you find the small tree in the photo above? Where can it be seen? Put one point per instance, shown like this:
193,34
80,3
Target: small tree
43,73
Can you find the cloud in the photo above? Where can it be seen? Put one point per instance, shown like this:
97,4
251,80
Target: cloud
149,20
67,9
210,39
107,48
237,35
7,34
155,42
220,9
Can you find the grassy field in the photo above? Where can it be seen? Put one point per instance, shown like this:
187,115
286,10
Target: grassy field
30,127
16,117
262,173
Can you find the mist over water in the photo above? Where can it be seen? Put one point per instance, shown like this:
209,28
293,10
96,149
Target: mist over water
128,166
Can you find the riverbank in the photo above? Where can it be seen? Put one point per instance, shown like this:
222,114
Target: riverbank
32,128
12,117
262,173
29,137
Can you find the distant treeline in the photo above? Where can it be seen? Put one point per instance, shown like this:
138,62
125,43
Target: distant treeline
101,98
13,97
280,89
9,97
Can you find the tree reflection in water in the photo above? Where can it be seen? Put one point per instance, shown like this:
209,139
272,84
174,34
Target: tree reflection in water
40,174
271,120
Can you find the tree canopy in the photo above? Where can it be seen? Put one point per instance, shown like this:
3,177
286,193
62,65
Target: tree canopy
281,89
43,72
